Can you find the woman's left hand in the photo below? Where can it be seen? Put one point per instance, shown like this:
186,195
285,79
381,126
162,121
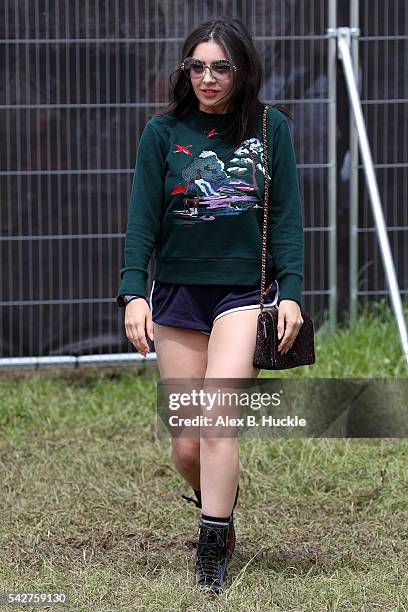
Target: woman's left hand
289,322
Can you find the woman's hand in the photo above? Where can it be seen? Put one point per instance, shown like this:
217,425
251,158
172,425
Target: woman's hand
289,322
137,318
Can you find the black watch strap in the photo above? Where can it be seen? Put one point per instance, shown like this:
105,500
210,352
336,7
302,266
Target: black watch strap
123,300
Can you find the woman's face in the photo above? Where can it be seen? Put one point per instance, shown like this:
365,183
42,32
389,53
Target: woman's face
219,103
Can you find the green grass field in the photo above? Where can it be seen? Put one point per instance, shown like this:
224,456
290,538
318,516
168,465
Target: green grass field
91,503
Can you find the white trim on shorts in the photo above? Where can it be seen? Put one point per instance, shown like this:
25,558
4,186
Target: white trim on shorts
266,307
150,299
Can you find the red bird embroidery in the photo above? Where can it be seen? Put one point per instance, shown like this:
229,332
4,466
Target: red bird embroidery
178,189
183,149
212,133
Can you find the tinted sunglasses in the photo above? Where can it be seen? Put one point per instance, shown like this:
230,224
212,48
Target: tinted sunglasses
220,69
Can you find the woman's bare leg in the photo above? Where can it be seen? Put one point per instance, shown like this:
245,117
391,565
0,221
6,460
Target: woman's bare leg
230,354
182,353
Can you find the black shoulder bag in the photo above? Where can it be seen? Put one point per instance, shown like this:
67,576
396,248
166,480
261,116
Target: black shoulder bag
266,354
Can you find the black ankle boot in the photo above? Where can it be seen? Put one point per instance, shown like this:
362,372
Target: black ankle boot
231,536
211,559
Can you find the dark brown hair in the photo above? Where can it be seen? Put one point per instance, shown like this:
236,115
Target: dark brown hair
234,37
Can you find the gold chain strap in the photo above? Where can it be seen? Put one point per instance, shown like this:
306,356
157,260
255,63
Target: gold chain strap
266,199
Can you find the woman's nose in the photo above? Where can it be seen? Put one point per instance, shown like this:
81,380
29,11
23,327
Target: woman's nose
208,77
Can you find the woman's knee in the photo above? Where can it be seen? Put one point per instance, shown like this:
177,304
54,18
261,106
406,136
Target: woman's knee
186,452
220,445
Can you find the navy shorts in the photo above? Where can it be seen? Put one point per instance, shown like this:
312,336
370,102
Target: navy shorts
199,306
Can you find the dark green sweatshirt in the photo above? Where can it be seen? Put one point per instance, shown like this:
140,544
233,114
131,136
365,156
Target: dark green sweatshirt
199,203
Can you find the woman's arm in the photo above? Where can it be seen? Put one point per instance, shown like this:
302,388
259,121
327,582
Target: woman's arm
287,241
146,201
285,216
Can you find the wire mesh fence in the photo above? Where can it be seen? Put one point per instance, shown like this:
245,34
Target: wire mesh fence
383,51
80,80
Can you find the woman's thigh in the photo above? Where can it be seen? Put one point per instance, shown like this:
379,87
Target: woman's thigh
181,353
232,345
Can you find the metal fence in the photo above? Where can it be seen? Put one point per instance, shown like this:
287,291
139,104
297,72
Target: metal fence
80,80
382,54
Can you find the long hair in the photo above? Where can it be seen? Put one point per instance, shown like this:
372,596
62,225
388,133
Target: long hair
234,37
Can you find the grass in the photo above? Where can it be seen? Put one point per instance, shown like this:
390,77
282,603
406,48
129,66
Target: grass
91,503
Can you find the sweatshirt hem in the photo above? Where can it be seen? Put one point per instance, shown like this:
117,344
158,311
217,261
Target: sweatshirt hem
212,271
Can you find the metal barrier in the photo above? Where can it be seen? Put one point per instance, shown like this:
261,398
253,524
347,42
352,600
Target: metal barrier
343,36
78,91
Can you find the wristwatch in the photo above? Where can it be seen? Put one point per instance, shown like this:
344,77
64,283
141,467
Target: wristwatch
125,299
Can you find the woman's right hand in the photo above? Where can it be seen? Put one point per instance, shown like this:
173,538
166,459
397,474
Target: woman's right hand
138,318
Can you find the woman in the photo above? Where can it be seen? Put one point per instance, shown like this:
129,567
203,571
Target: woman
197,199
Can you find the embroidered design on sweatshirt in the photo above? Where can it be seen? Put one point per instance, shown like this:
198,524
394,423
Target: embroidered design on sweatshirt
183,149
211,188
212,132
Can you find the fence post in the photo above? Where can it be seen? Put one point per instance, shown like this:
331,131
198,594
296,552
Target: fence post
343,36
332,179
353,231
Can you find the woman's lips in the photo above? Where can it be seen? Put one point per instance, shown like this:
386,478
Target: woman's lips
210,93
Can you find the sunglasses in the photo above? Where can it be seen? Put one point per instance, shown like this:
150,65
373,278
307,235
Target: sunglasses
220,69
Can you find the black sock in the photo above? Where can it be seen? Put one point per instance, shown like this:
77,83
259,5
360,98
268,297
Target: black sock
215,520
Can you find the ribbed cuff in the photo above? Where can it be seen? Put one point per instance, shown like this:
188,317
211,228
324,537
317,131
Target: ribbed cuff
133,283
290,288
